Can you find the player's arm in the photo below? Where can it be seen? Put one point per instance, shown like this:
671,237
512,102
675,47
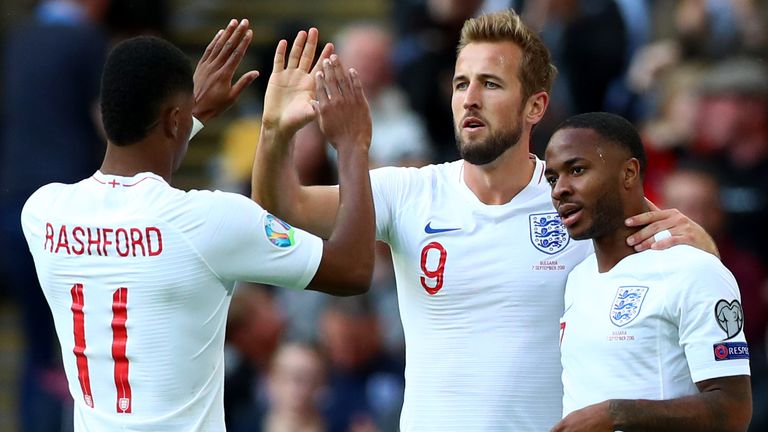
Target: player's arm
345,120
682,230
213,88
296,94
288,108
722,404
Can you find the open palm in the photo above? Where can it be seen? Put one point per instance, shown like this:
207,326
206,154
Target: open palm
291,89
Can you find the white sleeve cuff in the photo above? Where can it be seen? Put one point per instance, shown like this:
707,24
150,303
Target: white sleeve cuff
197,125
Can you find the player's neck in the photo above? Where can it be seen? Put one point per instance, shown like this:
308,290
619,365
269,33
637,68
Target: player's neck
611,248
132,159
498,182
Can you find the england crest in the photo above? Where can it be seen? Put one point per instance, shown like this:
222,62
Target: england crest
627,303
548,234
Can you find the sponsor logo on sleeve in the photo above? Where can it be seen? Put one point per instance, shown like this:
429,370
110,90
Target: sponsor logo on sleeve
627,303
730,317
278,232
731,351
548,234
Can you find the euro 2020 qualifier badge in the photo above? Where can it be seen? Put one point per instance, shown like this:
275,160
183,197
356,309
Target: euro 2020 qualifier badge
730,317
278,232
548,234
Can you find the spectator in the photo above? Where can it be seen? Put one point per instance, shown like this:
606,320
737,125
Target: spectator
732,132
51,71
296,385
255,327
365,386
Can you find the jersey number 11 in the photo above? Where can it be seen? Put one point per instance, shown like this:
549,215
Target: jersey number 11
119,340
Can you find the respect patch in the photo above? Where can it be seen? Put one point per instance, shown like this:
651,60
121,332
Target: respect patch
731,351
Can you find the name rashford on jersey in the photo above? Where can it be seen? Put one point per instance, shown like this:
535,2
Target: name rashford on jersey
139,276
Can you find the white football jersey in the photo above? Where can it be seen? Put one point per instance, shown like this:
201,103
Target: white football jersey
139,276
480,290
650,328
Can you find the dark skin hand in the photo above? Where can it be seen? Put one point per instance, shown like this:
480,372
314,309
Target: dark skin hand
214,91
722,404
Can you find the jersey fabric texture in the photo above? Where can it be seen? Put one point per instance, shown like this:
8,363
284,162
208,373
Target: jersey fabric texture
480,290
650,327
139,277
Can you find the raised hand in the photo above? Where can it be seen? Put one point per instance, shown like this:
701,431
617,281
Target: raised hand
342,110
214,92
291,87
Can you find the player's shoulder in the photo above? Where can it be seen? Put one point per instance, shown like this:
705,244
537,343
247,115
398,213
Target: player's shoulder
44,196
683,254
217,199
685,261
413,179
415,173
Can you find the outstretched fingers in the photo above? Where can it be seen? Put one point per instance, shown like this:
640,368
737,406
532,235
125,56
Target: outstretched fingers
357,85
308,54
326,53
239,52
209,48
341,75
331,79
233,42
296,50
221,39
278,64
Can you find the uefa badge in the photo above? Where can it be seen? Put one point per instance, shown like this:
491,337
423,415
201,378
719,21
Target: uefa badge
627,303
278,232
730,317
548,234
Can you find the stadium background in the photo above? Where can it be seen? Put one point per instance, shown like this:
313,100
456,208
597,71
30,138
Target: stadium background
691,74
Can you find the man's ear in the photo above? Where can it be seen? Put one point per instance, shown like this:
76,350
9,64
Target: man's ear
172,121
632,173
536,106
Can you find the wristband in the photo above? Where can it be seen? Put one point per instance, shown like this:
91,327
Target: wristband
196,126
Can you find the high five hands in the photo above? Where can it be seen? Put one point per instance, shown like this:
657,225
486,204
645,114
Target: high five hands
214,91
299,92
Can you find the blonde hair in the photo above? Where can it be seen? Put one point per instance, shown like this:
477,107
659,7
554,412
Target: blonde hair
536,70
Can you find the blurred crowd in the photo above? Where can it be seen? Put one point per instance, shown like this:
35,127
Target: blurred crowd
691,74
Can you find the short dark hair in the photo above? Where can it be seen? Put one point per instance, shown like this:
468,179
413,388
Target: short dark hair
139,75
613,128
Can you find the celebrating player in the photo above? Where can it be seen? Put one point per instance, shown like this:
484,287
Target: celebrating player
480,255
650,340
139,275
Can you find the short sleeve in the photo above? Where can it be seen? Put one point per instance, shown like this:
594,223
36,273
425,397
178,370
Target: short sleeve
386,184
706,303
241,241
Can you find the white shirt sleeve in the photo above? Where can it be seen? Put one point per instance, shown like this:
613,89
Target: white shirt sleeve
387,184
244,242
706,303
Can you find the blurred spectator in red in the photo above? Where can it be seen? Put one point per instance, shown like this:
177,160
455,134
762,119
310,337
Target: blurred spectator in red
365,386
669,133
732,131
295,388
695,191
254,329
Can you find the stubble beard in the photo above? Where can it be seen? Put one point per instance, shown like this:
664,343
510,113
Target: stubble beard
488,150
607,217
